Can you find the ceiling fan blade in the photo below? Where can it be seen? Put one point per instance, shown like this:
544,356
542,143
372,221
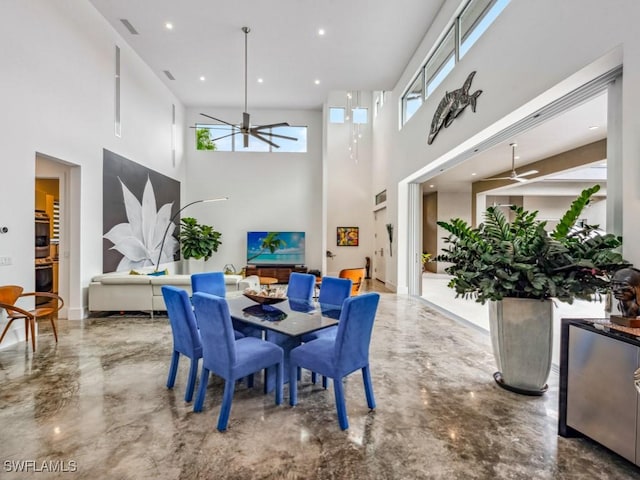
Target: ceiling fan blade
245,140
495,178
260,137
526,174
210,126
218,120
245,121
224,136
521,180
272,125
253,130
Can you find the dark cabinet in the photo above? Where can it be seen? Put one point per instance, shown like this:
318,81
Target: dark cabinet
281,273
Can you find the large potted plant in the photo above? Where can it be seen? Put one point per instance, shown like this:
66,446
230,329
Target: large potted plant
198,241
519,267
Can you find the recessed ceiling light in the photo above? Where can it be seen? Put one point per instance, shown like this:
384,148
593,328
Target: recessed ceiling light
321,31
202,79
317,82
169,26
431,186
517,157
260,80
593,127
473,174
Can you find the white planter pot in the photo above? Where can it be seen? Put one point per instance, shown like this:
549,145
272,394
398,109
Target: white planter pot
522,335
191,266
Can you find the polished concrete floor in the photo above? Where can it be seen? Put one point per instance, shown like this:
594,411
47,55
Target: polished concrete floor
96,406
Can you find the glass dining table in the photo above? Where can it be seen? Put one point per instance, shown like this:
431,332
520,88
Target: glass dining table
283,323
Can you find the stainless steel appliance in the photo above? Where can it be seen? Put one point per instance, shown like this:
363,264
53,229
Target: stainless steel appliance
43,234
43,261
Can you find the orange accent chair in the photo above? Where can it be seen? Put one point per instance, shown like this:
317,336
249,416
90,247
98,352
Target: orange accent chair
356,275
9,294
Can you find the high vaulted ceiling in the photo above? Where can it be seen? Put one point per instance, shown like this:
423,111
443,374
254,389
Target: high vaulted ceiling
366,45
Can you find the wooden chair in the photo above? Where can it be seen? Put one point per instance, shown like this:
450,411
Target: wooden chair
9,294
356,275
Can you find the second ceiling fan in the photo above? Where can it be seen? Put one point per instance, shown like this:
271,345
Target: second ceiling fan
518,177
261,132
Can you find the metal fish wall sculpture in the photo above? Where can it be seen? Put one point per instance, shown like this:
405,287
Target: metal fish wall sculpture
452,105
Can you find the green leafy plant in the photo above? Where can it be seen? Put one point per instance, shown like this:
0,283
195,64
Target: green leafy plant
521,259
203,139
198,241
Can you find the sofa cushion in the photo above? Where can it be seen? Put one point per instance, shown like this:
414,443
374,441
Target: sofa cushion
122,279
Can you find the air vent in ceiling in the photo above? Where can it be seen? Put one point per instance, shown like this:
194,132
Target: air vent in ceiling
129,27
168,74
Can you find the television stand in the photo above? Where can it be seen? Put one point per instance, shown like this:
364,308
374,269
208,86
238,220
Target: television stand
281,273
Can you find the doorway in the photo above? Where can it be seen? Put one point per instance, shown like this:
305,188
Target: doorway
379,257
57,184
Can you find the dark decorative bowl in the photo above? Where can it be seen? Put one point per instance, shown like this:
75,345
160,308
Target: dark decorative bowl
262,300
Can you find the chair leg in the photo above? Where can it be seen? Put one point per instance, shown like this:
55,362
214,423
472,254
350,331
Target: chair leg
250,381
338,390
279,381
53,326
173,369
313,377
202,390
324,382
225,410
4,332
293,384
368,387
191,383
32,327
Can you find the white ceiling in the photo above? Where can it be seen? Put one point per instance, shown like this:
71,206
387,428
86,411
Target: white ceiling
566,131
367,45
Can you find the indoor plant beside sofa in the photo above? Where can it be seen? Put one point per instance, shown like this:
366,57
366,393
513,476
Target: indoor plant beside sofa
519,267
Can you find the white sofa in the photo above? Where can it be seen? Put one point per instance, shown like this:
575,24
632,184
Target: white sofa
121,292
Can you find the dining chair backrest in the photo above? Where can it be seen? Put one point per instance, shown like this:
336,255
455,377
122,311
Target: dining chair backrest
357,277
9,294
354,331
186,338
216,330
301,286
334,290
209,282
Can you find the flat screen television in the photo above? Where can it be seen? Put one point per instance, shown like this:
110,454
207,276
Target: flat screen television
275,248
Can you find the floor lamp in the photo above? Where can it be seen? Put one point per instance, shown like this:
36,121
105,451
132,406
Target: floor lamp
164,237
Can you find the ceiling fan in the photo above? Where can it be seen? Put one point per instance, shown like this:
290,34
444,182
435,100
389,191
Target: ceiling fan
518,177
261,132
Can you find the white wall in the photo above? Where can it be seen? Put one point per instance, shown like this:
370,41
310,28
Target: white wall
553,208
267,191
451,205
349,198
58,99
520,70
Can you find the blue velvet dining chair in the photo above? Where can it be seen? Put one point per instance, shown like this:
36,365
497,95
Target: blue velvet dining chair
333,292
213,284
227,357
186,337
337,357
209,282
301,286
